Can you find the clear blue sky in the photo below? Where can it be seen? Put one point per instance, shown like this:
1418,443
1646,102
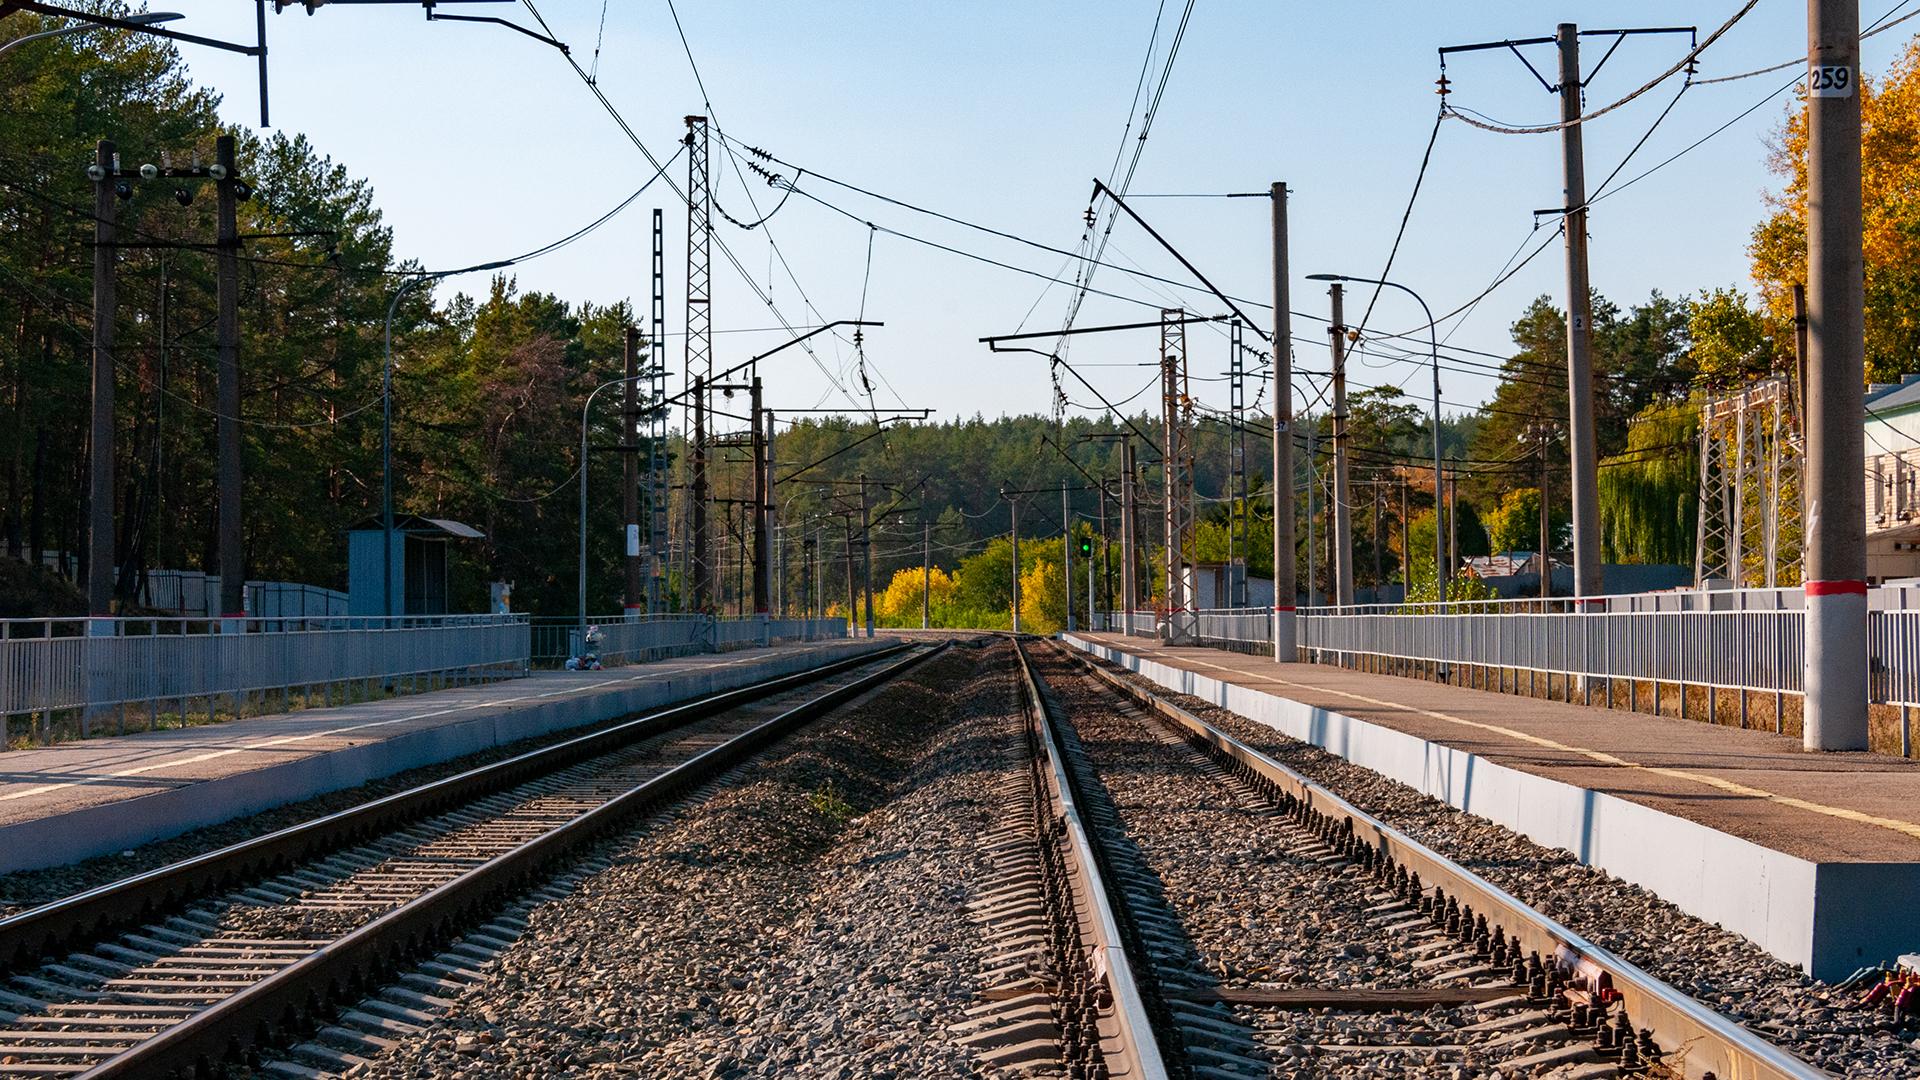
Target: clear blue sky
481,143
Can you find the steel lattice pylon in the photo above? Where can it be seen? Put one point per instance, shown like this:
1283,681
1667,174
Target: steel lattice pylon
1177,472
653,421
1750,530
699,347
1237,449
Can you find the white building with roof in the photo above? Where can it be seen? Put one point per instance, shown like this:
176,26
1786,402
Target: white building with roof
1893,480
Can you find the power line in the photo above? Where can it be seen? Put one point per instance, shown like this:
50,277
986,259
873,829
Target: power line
633,136
1684,64
1800,61
1420,177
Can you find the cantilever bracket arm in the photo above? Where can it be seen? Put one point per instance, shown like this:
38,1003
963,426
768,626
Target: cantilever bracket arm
434,16
993,345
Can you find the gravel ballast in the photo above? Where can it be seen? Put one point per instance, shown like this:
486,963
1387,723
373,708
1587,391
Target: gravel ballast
1257,904
804,917
1723,970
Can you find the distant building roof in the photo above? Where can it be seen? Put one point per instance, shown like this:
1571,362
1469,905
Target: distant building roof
1505,564
1885,397
416,525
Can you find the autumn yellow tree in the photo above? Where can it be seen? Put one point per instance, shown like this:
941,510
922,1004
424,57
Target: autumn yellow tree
1890,176
1043,598
899,603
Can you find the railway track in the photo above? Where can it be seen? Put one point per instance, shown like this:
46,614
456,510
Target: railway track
215,959
1257,924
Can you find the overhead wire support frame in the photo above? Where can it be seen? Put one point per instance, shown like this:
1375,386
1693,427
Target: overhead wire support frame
992,343
1099,187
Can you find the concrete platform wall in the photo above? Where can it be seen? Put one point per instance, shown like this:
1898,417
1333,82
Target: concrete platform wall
117,826
1828,919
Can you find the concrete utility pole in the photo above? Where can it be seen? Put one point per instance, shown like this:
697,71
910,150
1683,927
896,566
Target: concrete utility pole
697,510
1800,361
1453,520
1313,549
233,563
853,601
100,494
1091,594
636,593
1582,444
807,555
1342,494
1285,584
1014,504
1106,564
1406,547
866,549
1379,568
926,571
1539,434
1129,560
1066,548
778,567
1836,579
762,535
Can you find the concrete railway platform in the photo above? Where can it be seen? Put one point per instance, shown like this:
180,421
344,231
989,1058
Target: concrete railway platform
72,801
1814,857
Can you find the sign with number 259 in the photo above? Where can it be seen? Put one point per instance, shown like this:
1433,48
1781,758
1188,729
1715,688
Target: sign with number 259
1830,80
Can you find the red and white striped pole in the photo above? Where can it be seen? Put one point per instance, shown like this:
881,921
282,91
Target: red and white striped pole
1835,715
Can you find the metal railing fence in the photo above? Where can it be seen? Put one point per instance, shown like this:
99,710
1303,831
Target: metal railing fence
1136,623
1737,649
79,668
623,640
1745,641
1235,626
48,665
644,638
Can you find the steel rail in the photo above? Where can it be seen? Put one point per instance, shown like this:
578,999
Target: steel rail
31,936
1134,1051
1694,1037
258,1015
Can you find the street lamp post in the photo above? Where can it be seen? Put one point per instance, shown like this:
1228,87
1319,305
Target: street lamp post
584,410
1439,536
386,425
146,19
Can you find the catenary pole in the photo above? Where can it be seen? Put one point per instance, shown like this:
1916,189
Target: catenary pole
233,564
100,494
1129,580
1285,584
1342,492
1106,564
1582,442
636,591
762,548
866,550
1066,549
1313,494
702,568
853,603
1836,580
1379,567
1014,504
1546,529
926,570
